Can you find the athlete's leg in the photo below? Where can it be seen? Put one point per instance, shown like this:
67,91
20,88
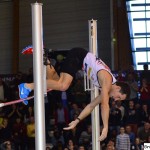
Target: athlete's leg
53,81
61,85
51,73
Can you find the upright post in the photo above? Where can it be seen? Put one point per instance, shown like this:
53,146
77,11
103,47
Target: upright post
95,91
37,41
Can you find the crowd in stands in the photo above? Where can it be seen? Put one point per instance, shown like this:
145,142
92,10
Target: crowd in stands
129,121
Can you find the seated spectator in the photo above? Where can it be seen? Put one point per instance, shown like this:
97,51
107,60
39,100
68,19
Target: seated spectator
61,116
86,136
137,145
31,134
144,115
57,138
74,134
144,133
112,135
28,114
5,130
49,146
19,133
82,147
59,146
110,145
70,145
148,140
74,110
2,114
131,117
13,113
7,145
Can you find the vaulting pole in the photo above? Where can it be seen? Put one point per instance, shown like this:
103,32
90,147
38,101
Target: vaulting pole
94,91
38,68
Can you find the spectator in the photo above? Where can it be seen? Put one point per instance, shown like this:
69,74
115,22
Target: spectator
148,140
2,114
57,138
19,133
145,74
61,117
110,145
81,147
138,112
131,117
7,145
71,145
74,134
131,134
137,145
133,87
132,71
64,99
31,134
5,130
120,76
86,136
78,91
122,109
114,117
13,113
74,110
28,114
112,135
144,92
122,140
144,133
19,78
144,115
3,96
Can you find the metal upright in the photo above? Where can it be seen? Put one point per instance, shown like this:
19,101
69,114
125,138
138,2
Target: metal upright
94,90
38,68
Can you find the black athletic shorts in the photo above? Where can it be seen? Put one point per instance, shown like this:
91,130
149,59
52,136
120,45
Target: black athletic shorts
73,61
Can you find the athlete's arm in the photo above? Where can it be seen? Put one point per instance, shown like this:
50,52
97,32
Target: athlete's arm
85,112
103,98
105,79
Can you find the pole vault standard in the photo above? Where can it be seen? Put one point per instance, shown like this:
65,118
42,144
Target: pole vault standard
94,90
38,68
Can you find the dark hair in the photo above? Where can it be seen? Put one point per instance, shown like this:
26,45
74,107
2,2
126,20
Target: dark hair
125,88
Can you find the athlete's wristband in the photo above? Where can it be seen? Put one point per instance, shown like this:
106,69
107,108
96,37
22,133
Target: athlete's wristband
78,119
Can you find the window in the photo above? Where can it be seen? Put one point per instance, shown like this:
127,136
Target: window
138,12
